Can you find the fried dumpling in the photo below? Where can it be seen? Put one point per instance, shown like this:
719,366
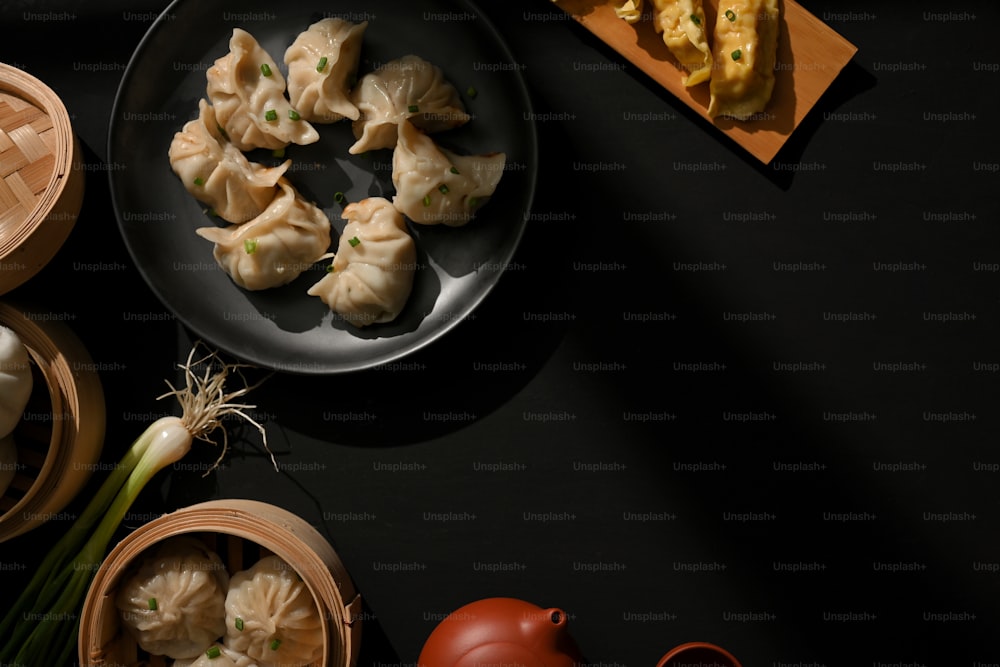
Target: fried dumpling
372,273
437,186
248,92
274,248
406,88
322,65
217,173
745,51
684,30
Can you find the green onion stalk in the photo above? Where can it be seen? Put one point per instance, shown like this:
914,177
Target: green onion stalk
41,627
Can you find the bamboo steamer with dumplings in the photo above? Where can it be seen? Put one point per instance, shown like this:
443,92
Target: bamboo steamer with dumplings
41,176
240,532
61,433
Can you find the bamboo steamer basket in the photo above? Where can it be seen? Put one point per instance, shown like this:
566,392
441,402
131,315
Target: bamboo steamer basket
61,434
241,532
41,176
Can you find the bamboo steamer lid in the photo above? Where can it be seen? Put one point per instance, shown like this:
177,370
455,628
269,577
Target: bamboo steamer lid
230,526
61,434
41,176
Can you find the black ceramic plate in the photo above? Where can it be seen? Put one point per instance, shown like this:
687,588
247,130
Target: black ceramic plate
284,328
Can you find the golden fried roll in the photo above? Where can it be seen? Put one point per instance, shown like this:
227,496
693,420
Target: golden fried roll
683,25
744,49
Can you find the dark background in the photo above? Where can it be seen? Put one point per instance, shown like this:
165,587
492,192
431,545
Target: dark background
814,485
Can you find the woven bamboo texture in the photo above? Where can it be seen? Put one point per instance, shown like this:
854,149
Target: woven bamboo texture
27,157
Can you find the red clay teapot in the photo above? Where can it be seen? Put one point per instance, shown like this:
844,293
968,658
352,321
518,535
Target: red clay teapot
501,632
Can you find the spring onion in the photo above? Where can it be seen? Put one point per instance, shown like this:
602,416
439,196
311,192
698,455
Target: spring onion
731,15
198,180
471,92
443,189
41,627
153,606
294,115
275,643
737,54
213,652
454,170
355,242
339,197
271,115
250,246
427,200
695,19
239,624
413,108
265,69
321,65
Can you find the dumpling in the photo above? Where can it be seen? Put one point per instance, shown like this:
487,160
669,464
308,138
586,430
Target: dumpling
16,381
274,248
436,186
684,29
745,52
8,462
174,603
405,88
271,615
217,655
248,92
217,173
371,276
322,65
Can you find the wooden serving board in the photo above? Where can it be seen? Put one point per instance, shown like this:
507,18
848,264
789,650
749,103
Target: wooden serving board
810,56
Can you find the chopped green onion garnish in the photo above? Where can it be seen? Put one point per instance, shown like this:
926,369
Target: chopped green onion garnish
239,624
355,242
427,200
198,180
737,54
293,114
731,15
321,65
330,268
413,108
471,92
278,153
265,69
454,170
275,643
339,198
443,189
213,652
270,114
473,202
695,19
250,246
152,604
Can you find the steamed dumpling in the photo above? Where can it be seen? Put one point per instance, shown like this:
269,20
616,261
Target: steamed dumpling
405,88
322,64
174,603
280,621
274,248
372,273
8,462
436,186
248,92
217,655
16,381
217,173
